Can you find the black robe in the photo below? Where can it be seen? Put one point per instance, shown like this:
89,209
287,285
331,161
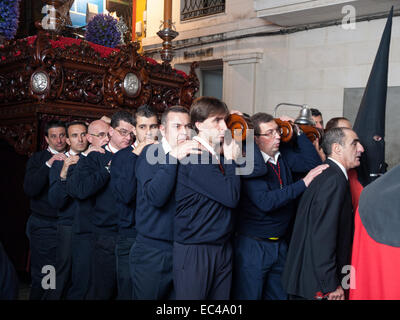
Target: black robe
322,237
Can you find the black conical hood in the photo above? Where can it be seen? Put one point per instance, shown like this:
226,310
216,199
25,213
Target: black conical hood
370,121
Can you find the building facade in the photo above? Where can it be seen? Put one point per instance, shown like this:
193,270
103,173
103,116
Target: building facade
255,54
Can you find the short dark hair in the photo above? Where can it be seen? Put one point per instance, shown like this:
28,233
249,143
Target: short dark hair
333,123
334,135
258,118
121,116
75,123
315,112
177,109
144,111
53,124
204,107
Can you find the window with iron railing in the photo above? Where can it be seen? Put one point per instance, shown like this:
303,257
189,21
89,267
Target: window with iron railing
191,9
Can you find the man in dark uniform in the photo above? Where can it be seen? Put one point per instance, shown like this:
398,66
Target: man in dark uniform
207,191
156,167
123,185
266,208
41,228
323,231
93,182
66,206
82,286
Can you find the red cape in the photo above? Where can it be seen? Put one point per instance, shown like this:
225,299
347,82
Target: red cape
375,274
376,267
355,187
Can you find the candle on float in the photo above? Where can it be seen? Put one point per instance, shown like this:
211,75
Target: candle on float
167,13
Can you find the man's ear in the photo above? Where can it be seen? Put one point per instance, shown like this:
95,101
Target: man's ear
336,148
110,131
68,141
161,127
89,138
134,131
47,139
198,125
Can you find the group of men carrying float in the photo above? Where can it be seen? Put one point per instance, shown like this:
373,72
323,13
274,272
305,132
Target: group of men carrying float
117,224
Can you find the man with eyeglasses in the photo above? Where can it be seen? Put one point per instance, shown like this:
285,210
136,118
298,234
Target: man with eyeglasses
81,244
93,182
123,185
41,228
98,133
266,208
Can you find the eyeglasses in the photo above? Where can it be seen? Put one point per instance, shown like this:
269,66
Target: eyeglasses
99,135
271,133
125,133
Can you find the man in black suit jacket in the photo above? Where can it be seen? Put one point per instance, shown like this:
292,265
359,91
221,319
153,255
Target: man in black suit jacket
323,232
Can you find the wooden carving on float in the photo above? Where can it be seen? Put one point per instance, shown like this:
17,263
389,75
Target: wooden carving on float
50,75
190,87
21,136
126,82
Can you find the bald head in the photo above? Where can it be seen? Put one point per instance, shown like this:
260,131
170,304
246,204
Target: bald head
98,124
338,122
98,133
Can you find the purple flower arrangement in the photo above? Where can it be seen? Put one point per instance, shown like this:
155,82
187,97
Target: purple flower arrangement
9,15
102,29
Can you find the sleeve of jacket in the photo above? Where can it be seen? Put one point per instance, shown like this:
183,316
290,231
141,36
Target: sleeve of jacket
73,177
88,177
208,180
157,183
36,176
303,157
324,225
267,199
58,196
123,177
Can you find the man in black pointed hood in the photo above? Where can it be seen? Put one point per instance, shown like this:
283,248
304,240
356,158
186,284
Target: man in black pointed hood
370,122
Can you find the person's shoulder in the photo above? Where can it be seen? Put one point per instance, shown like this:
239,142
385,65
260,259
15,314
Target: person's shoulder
124,153
203,158
39,157
97,158
150,156
335,172
153,149
329,178
126,150
41,154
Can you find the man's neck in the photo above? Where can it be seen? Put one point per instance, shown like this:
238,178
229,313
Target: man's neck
167,146
113,146
337,159
272,154
54,151
73,152
272,157
213,144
